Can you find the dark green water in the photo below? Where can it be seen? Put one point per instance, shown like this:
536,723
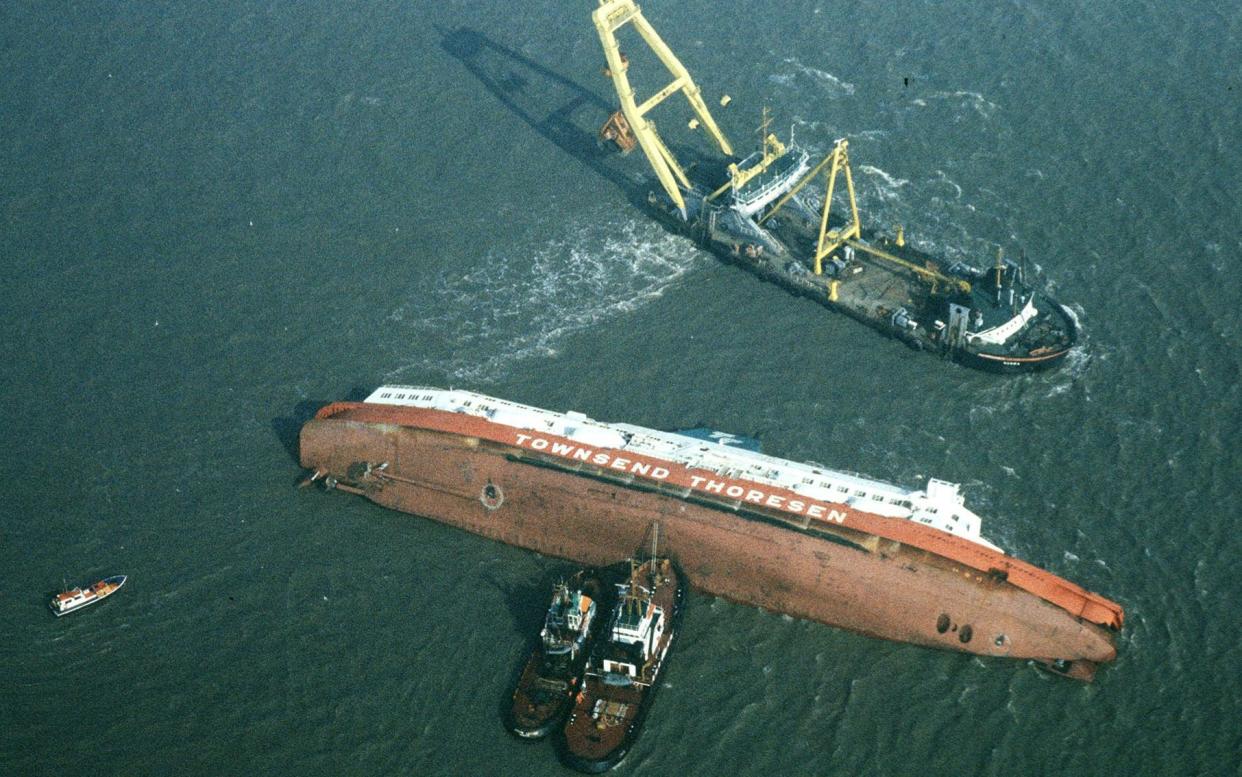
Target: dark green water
214,217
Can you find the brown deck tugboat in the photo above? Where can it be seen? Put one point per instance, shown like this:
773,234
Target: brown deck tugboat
554,671
624,666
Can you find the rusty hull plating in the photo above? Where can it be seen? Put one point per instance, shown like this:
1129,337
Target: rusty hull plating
879,576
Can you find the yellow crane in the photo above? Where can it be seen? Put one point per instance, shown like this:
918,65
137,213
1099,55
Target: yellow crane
610,17
629,128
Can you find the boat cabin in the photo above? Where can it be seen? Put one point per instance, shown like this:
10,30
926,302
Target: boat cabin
775,175
71,598
636,628
569,620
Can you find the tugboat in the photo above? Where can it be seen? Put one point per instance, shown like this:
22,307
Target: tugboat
624,667
77,598
553,673
761,213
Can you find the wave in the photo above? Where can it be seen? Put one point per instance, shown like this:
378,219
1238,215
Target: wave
980,104
887,187
514,307
834,86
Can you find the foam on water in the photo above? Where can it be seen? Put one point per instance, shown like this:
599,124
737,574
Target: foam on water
511,308
800,74
966,99
886,187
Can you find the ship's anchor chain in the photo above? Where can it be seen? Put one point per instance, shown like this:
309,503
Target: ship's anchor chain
491,496
361,471
357,474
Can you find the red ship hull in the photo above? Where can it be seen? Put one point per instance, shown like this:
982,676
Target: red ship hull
878,576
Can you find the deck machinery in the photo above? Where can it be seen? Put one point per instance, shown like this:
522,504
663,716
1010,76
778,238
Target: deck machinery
764,214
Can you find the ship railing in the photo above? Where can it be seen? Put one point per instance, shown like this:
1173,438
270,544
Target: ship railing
779,180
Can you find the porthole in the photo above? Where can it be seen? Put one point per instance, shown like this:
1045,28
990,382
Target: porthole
491,496
966,634
942,623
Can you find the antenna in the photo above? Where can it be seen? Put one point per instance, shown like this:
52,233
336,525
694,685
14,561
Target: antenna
999,269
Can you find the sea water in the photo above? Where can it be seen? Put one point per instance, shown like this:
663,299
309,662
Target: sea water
217,217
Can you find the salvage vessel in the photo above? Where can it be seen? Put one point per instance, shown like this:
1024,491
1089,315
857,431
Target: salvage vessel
799,538
552,675
625,666
771,214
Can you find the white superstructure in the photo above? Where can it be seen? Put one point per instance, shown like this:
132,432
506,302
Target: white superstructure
940,505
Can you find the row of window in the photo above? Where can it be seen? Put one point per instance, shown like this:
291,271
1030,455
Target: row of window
413,397
844,489
771,473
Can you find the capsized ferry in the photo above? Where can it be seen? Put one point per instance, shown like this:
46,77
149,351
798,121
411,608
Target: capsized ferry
906,564
771,214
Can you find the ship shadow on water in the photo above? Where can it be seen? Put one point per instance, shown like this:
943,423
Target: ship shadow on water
288,427
560,109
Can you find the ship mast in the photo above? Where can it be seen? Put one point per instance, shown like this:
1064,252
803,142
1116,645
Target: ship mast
611,16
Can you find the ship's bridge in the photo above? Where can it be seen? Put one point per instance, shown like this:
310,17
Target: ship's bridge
637,622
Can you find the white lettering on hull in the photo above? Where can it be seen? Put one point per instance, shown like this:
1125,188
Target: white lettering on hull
697,482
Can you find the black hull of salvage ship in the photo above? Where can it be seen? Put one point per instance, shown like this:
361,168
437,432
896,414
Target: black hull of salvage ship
956,317
763,214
